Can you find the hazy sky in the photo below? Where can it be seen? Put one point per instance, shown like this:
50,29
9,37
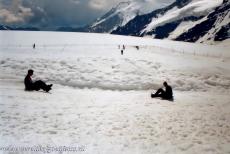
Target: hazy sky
55,13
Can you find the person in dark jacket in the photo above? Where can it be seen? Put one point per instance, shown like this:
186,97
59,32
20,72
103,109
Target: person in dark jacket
164,94
37,85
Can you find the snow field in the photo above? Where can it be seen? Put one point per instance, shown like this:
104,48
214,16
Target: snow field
101,99
98,63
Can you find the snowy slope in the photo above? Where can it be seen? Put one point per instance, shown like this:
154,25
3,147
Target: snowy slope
183,27
100,99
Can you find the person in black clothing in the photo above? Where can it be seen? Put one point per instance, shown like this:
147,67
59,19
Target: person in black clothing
37,85
167,94
122,51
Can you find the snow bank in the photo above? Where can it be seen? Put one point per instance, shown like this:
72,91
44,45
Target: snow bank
115,74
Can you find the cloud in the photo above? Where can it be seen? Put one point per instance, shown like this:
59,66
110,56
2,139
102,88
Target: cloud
102,4
14,12
107,4
76,1
50,14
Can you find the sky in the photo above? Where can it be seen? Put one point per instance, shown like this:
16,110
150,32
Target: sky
59,13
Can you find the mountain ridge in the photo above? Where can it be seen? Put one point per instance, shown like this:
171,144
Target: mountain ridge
175,21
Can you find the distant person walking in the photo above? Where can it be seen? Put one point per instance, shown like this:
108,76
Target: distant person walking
164,94
37,85
123,49
34,46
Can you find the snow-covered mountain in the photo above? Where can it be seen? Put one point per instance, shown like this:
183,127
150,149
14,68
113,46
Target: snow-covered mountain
118,16
214,27
177,19
4,27
183,20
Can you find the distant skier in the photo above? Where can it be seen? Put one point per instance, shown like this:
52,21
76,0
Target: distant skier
34,46
122,51
37,85
164,94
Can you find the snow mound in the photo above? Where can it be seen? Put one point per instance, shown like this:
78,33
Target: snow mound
114,74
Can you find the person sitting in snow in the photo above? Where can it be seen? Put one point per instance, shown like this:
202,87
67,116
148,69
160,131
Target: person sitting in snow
164,94
37,85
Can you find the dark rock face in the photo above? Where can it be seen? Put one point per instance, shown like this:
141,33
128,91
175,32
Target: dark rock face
223,33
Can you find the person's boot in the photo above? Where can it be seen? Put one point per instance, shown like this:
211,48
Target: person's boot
48,88
153,95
